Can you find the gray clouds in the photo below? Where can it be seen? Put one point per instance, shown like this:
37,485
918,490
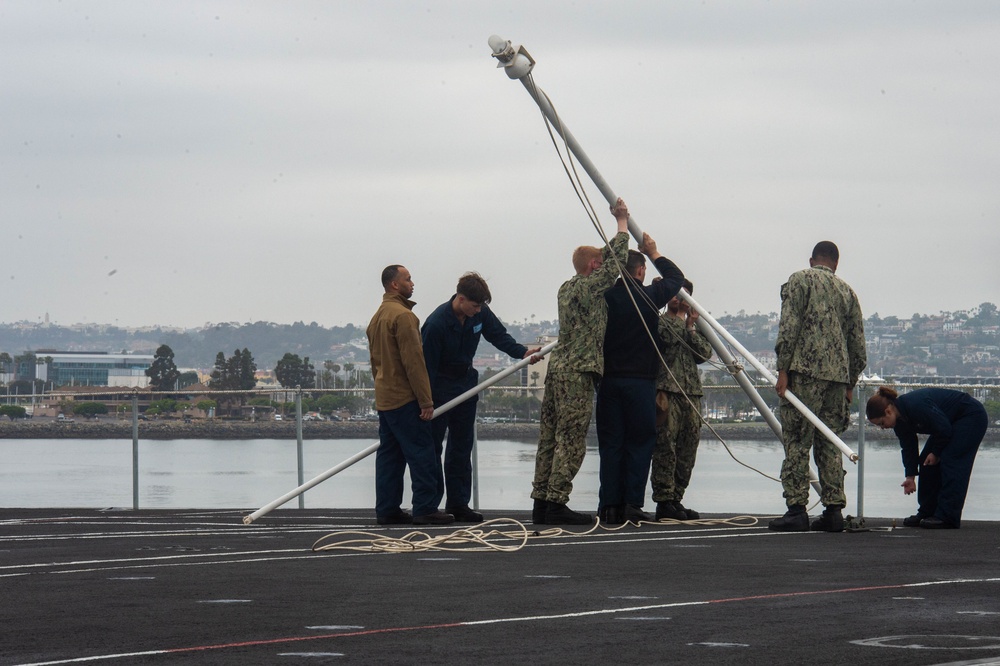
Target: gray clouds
237,161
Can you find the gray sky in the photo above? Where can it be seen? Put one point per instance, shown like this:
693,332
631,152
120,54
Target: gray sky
188,162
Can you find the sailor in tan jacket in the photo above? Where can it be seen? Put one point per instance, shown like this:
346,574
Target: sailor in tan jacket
405,408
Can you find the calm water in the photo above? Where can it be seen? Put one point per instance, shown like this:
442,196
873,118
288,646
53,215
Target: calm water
248,474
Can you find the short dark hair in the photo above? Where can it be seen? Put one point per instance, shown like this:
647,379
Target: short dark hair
826,249
474,287
634,261
389,274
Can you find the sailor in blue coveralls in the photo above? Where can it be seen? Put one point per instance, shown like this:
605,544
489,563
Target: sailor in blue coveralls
956,423
450,337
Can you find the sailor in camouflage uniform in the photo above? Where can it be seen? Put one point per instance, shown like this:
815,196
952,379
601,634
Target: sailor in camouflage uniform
574,371
821,353
678,429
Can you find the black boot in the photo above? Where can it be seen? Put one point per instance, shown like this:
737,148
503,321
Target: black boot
560,514
795,520
463,514
538,512
670,510
691,513
914,520
831,520
610,515
635,514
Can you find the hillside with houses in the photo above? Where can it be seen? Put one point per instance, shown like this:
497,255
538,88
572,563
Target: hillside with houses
963,343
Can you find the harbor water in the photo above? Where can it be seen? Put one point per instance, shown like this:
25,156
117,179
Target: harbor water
247,474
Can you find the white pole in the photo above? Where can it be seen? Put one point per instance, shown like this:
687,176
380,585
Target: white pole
516,60
270,506
762,369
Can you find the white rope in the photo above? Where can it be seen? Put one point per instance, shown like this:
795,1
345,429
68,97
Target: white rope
487,537
471,539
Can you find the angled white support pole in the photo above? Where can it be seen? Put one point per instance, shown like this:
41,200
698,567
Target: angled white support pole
518,64
736,370
361,455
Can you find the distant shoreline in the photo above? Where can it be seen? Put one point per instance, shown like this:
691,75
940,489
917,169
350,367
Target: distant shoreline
221,429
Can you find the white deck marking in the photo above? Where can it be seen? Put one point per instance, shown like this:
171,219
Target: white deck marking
932,642
992,641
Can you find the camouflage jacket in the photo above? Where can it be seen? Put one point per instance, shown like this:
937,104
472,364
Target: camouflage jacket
583,314
822,332
683,351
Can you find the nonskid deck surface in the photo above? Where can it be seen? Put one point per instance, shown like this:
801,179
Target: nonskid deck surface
199,586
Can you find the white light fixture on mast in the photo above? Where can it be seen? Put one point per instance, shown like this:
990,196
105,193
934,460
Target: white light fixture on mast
516,61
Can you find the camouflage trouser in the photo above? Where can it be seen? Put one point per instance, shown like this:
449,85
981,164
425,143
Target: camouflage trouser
828,401
676,448
562,442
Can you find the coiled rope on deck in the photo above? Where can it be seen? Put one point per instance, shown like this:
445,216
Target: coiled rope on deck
469,539
487,537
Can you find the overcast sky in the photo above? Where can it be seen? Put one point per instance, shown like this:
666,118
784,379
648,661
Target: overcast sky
178,163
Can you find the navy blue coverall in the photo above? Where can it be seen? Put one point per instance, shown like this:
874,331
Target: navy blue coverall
449,346
626,399
956,423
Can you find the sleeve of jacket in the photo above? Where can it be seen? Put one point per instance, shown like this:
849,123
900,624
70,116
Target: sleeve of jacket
701,348
606,275
663,330
908,448
411,355
857,354
496,334
790,324
663,290
432,337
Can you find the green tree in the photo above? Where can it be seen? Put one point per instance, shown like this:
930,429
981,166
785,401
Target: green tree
25,387
164,405
334,369
186,379
331,403
233,369
292,371
13,411
246,370
206,405
163,373
90,408
236,373
988,311
220,374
